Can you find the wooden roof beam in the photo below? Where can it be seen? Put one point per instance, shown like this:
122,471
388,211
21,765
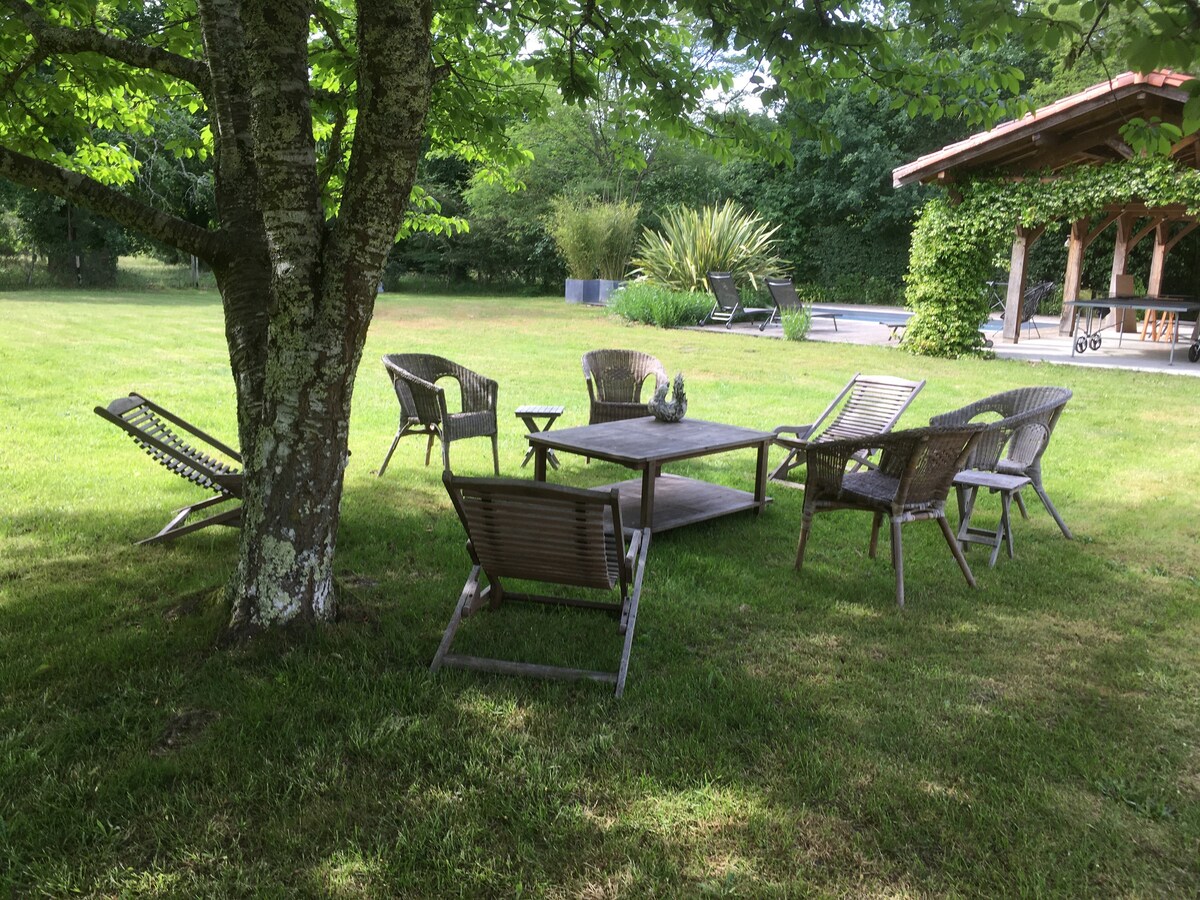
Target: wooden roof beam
1085,142
1120,147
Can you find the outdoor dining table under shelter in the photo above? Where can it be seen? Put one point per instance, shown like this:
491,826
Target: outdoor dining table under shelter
1082,129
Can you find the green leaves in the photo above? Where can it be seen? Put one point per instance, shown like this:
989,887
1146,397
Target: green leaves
693,243
954,248
594,237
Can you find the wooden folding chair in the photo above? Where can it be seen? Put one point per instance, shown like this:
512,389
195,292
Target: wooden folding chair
868,404
550,534
157,431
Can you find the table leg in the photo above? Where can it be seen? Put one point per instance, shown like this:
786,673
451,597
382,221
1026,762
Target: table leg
760,477
1174,337
647,510
539,462
532,427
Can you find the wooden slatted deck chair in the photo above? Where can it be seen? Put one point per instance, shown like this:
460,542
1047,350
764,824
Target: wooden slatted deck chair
727,301
550,534
916,470
1037,411
170,441
615,379
868,404
423,407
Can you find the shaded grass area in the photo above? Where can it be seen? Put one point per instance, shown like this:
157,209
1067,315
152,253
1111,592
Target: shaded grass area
780,735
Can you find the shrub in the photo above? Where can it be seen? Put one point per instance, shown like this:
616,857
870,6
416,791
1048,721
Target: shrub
855,287
616,225
693,243
796,322
653,304
594,237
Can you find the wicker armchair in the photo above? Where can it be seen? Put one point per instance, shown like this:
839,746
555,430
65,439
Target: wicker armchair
916,469
423,408
614,382
1030,301
1018,439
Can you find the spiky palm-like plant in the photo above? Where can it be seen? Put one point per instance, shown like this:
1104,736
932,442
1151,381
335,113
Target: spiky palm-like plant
693,243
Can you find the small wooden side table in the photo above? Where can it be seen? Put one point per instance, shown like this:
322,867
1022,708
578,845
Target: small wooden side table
530,415
967,484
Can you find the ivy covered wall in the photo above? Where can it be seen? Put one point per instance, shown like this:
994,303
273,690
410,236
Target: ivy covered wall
957,246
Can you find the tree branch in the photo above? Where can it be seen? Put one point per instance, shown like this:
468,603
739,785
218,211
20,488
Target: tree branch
108,201
394,78
57,39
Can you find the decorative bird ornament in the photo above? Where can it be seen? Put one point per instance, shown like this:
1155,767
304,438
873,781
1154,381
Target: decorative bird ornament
669,410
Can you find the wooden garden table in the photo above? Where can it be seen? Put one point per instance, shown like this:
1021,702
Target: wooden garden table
662,501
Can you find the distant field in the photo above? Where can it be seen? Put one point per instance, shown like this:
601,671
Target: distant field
780,735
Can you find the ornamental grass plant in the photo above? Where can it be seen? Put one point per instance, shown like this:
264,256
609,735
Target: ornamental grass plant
796,323
594,237
780,735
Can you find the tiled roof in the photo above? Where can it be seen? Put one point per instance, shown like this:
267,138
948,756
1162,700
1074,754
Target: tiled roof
953,154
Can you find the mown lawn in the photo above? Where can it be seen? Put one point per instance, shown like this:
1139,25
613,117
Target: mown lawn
780,735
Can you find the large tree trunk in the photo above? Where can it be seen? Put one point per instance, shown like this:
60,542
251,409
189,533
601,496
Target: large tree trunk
322,291
294,490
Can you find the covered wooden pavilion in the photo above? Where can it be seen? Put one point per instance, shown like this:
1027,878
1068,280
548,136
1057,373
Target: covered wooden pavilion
1082,129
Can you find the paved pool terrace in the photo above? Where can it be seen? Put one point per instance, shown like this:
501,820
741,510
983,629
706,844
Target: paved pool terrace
870,325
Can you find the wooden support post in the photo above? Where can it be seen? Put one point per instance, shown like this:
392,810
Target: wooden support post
1022,241
1124,320
1076,246
1162,234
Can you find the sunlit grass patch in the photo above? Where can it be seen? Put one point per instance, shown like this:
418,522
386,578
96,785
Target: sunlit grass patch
780,734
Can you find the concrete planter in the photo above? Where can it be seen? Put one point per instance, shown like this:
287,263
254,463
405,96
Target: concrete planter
592,291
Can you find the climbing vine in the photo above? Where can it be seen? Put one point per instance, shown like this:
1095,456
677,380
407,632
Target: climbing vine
955,247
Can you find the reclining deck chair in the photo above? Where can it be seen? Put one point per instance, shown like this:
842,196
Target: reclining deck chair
868,404
158,433
423,407
916,470
727,301
784,296
552,534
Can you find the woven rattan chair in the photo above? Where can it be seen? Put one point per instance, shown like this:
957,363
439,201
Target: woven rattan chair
1025,418
915,472
170,441
550,534
423,407
727,301
868,404
615,379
